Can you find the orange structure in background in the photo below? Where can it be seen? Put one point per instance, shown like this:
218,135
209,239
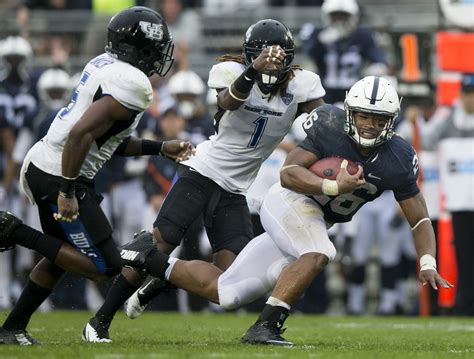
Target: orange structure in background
455,54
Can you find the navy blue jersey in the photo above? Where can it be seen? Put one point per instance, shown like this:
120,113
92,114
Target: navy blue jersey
18,106
340,64
392,166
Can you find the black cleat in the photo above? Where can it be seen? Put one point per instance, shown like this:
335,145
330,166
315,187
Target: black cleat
17,337
96,332
265,333
151,288
134,253
8,223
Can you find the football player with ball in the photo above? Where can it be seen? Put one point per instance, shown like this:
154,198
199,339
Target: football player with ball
297,213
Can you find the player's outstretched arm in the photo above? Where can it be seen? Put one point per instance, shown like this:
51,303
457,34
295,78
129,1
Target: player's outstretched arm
416,213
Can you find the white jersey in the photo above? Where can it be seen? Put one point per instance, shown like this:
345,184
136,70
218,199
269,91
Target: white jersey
248,135
102,76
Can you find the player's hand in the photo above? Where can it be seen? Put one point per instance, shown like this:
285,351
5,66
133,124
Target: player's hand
433,278
68,209
347,182
271,58
178,150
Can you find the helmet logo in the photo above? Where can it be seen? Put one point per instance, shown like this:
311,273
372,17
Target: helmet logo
248,33
152,31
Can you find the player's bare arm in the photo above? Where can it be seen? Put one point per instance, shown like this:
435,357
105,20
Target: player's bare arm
175,150
98,118
295,175
231,98
417,216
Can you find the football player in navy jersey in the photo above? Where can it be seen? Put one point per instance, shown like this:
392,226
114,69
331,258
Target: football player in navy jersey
297,213
342,51
59,170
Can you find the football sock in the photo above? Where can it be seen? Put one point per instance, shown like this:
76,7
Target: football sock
30,299
120,291
44,244
156,264
274,315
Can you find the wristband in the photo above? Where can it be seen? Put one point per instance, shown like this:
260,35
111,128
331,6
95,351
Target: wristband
150,147
330,187
427,262
420,222
67,187
234,96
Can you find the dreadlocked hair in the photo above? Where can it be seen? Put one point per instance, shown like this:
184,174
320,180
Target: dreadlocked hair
283,86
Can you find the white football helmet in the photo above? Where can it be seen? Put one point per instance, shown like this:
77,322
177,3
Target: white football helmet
16,45
186,82
372,95
54,87
335,30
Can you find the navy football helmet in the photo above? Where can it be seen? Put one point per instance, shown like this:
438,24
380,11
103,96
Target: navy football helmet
140,37
265,33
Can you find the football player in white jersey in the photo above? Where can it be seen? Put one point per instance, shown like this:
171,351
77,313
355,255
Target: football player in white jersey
260,93
58,172
297,213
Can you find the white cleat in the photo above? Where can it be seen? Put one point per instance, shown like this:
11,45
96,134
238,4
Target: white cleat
133,308
95,335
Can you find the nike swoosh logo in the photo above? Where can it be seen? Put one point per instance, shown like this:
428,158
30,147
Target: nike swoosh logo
370,175
192,169
141,291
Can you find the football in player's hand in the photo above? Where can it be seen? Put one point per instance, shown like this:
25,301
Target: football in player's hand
329,167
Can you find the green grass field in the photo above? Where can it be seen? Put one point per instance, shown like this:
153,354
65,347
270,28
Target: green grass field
171,335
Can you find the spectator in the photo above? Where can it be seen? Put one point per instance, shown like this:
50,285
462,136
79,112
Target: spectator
342,50
186,29
419,113
187,88
454,139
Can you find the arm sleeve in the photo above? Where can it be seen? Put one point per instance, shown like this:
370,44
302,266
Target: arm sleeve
132,90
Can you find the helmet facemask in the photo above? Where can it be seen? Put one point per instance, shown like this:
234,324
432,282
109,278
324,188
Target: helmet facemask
353,131
269,79
265,33
373,96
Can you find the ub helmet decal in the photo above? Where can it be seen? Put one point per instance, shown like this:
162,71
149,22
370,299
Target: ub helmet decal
140,36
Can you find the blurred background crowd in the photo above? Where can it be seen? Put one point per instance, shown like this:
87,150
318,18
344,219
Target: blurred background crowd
425,47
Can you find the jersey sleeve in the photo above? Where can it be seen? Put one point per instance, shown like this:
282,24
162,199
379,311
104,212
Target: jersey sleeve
132,89
315,88
223,74
315,129
409,166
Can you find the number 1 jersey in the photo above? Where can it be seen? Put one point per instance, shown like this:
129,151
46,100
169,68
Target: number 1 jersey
245,137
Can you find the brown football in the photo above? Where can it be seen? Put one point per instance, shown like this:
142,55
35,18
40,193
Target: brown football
329,167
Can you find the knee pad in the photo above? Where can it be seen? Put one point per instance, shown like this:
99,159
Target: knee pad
358,275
